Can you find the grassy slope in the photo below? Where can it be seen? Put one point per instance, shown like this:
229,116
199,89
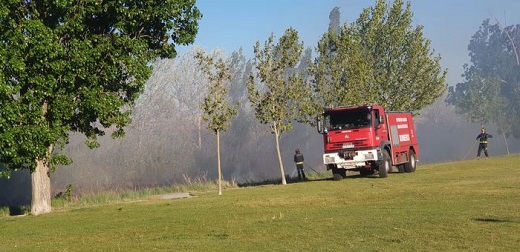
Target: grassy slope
464,206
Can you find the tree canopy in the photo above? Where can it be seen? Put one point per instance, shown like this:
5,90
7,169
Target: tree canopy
217,107
380,58
490,91
78,66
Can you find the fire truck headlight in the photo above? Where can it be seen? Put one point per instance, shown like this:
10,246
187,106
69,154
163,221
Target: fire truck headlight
369,156
329,159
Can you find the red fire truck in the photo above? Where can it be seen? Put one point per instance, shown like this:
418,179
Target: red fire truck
367,139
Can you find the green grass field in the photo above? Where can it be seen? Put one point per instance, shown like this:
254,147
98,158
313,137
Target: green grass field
459,206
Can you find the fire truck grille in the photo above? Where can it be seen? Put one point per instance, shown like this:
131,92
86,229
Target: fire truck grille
349,145
347,155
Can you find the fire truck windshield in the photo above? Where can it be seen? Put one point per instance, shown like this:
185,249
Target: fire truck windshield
347,119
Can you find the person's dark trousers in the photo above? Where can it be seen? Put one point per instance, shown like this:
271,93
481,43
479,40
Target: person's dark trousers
301,173
482,147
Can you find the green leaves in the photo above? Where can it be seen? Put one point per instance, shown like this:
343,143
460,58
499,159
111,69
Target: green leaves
490,90
481,99
78,66
380,59
275,89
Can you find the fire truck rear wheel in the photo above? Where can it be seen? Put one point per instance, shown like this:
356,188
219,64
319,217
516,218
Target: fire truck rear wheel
385,165
412,164
400,168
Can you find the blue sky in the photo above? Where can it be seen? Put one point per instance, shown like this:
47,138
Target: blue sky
449,24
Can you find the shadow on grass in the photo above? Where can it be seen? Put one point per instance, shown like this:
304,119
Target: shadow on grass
288,179
317,177
495,220
291,180
19,210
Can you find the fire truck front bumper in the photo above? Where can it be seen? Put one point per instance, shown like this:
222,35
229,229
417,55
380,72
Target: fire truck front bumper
350,159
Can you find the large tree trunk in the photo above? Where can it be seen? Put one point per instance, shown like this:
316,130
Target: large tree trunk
41,186
41,189
41,180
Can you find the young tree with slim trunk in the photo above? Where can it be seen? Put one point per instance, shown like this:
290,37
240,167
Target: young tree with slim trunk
276,90
77,66
217,109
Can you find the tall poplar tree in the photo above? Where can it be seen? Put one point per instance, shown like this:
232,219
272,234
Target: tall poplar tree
218,110
77,66
276,89
380,58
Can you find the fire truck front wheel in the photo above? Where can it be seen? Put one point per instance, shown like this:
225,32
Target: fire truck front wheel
338,174
384,167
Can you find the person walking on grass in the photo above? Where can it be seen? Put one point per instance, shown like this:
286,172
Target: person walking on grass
483,139
298,159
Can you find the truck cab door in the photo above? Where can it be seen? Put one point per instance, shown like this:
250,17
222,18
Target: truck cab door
378,120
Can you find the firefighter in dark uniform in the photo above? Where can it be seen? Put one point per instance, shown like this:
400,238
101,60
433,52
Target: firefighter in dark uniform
482,138
298,159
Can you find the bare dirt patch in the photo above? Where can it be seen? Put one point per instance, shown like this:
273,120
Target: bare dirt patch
170,196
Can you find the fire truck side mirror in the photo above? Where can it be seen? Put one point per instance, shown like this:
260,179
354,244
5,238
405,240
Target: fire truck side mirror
319,124
381,120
